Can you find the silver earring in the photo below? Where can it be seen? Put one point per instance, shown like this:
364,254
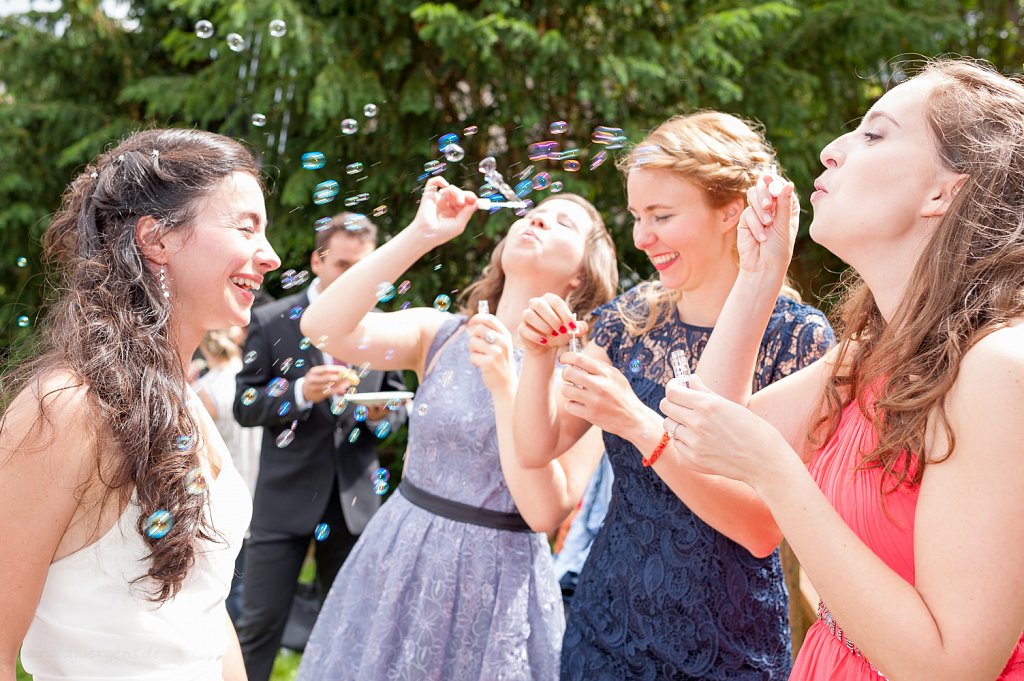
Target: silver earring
163,283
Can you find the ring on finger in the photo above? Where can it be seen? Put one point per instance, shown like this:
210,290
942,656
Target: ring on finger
490,336
672,430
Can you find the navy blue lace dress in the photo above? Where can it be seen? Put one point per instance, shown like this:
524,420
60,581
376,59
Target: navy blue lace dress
662,594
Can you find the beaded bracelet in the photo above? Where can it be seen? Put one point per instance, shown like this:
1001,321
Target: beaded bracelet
665,439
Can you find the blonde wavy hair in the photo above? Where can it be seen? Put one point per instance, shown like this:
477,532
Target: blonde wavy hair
718,152
599,273
967,282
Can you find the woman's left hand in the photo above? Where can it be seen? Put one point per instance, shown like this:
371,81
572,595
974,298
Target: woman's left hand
599,393
713,435
490,349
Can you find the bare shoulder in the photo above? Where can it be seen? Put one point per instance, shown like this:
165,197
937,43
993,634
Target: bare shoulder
993,368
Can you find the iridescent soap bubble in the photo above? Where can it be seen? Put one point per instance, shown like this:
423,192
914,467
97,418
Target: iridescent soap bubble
571,166
405,305
487,165
526,173
287,278
438,267
389,354
204,29
599,158
314,160
286,364
421,409
608,135
442,303
277,387
379,211
277,28
305,343
558,127
404,287
380,487
556,187
435,167
470,130
183,443
634,365
538,151
566,153
369,110
381,474
322,224
299,363
24,322
236,43
295,312
22,262
248,397
354,168
159,524
523,188
454,153
195,481
322,531
527,205
385,291
325,192
382,430
284,409
447,140
321,341
338,406
360,413
285,438
364,369
542,181
259,120
349,126
358,198
394,404
354,435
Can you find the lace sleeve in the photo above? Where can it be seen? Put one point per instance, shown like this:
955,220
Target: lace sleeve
608,329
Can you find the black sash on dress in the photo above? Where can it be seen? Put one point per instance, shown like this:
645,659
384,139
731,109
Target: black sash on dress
463,513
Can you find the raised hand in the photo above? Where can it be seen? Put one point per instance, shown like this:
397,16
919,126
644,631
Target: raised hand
444,211
768,227
548,323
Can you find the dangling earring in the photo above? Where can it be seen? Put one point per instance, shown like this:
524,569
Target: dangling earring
163,283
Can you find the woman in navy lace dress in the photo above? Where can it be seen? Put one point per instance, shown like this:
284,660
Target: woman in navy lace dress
684,580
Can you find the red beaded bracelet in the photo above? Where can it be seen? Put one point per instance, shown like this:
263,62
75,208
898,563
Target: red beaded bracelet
665,439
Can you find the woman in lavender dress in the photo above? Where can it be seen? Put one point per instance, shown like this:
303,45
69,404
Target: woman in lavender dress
449,581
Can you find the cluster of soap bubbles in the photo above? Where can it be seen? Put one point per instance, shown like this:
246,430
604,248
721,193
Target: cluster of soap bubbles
204,30
380,479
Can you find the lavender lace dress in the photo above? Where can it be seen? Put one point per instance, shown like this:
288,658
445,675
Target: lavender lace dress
423,597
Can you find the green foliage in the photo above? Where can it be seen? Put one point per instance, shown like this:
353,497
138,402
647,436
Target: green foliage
76,80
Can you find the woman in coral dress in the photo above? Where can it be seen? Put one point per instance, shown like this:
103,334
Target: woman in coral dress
892,465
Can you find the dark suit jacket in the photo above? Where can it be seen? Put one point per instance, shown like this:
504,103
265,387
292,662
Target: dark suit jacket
294,481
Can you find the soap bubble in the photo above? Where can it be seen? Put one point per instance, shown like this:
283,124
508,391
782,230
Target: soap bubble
598,159
285,407
24,322
354,168
322,531
358,198
195,481
404,287
349,126
354,435
421,410
523,188
322,224
299,363
488,165
325,192
204,29
360,413
370,110
380,487
379,211
442,303
446,141
183,443
558,127
248,397
385,291
435,167
556,187
285,438
394,404
383,430
539,151
470,131
571,166
259,120
305,343
286,364
236,43
22,262
295,312
278,28
634,365
277,387
381,474
542,181
313,160
454,153
159,524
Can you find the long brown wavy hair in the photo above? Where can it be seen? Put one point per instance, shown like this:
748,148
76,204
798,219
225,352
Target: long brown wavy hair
599,273
109,328
718,152
968,281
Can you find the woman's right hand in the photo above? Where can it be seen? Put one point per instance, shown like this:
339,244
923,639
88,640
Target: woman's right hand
548,323
767,228
444,211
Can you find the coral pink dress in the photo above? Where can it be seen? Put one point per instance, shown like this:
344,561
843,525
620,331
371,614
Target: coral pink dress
885,524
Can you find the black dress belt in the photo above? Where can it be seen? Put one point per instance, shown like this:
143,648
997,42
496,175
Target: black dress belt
463,513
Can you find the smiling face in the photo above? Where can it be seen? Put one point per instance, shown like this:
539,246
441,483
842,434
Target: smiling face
685,238
339,254
213,267
548,243
873,201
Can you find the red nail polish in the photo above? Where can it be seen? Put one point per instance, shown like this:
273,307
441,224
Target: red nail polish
543,341
563,329
572,325
554,333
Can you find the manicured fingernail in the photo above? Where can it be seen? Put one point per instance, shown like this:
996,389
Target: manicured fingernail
762,237
766,218
572,325
563,329
765,203
554,333
543,341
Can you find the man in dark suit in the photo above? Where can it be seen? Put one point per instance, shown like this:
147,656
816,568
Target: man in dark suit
317,461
